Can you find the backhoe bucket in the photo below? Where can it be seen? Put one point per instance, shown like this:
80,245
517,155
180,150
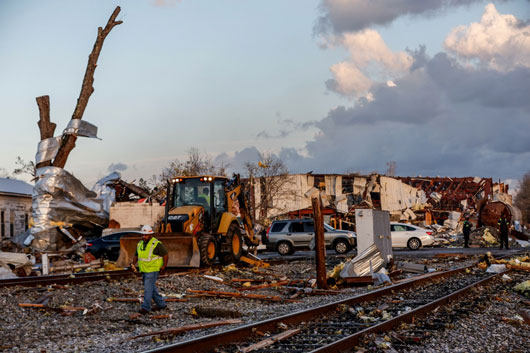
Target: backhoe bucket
183,249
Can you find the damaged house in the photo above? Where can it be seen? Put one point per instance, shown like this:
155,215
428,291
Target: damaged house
15,207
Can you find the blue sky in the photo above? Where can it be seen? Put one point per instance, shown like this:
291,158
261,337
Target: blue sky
235,77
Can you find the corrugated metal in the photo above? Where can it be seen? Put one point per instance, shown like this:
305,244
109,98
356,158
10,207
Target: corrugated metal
13,186
359,184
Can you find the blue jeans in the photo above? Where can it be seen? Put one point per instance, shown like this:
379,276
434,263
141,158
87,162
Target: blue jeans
150,291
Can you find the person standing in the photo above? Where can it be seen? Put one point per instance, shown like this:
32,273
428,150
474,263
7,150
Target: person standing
152,257
466,229
504,227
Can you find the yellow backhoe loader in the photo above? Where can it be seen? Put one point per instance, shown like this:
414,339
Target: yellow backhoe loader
200,223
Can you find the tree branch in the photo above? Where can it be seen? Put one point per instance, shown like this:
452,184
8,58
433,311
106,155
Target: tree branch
68,142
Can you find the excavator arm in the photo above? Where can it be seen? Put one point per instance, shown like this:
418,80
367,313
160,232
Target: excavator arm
235,191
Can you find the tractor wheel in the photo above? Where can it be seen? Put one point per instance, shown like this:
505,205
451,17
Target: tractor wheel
207,249
234,241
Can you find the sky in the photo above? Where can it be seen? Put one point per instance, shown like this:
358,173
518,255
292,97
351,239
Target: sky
440,87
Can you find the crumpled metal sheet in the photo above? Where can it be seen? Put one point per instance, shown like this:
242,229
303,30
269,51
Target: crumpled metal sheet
59,197
80,127
104,191
47,149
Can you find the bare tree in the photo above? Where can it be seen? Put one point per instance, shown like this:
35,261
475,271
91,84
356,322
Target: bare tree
522,200
47,128
197,164
272,176
25,168
391,168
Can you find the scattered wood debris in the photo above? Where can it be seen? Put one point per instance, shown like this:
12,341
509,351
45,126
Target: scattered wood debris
270,341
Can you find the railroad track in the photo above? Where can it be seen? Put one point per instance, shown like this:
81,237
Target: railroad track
339,326
74,278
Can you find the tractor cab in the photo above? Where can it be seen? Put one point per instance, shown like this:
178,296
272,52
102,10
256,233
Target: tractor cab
188,193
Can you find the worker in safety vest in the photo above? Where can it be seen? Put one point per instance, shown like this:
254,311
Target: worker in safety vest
151,256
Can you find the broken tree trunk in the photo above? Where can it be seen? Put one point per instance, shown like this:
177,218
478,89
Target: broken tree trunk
320,246
46,127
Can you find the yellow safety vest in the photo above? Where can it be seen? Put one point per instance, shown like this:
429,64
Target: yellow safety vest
146,260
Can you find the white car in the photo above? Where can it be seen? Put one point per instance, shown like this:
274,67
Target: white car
407,235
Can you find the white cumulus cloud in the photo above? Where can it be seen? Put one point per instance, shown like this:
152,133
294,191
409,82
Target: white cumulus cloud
498,41
370,61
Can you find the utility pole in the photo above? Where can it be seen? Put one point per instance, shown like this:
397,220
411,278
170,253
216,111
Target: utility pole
320,246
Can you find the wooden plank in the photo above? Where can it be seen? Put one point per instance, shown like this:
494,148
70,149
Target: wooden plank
270,341
266,285
257,263
177,330
361,279
206,293
30,305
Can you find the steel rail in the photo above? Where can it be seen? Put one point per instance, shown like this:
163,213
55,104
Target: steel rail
73,278
206,343
346,344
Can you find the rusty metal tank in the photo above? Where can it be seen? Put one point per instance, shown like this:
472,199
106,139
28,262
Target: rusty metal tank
491,212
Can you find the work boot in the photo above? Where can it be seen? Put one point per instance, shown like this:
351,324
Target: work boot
143,311
158,308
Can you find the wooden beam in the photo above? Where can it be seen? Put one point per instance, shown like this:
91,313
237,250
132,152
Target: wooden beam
320,246
270,341
177,330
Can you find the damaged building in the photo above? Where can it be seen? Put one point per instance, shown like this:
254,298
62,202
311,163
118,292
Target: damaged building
419,200
15,207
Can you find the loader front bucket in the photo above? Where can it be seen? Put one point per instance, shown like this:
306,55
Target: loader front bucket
183,249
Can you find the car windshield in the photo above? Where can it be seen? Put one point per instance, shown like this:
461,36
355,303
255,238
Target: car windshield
191,192
328,228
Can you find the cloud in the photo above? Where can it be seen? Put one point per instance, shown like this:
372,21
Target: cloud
501,42
442,117
117,167
165,3
370,59
236,161
340,16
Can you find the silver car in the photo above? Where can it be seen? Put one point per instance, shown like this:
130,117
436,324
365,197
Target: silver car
286,236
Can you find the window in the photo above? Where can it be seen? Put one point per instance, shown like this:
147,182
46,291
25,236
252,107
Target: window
296,227
309,227
409,228
277,227
26,223
219,196
11,223
397,228
3,225
114,237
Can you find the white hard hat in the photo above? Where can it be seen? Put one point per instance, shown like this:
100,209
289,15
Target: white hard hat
146,229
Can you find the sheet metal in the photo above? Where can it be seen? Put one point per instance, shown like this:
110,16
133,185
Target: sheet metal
47,149
59,197
80,127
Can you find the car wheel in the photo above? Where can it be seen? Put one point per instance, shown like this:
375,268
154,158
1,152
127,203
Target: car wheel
414,243
341,246
284,248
